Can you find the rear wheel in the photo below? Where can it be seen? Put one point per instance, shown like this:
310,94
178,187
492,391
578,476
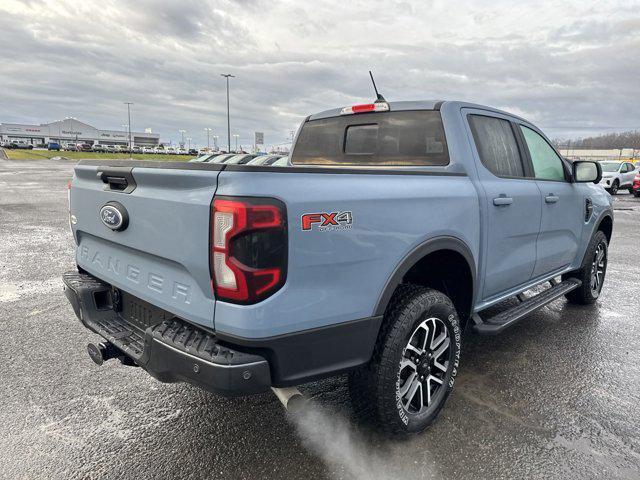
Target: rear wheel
631,190
592,272
414,365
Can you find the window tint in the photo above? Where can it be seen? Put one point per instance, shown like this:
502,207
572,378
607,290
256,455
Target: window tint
382,138
361,140
496,146
630,167
546,163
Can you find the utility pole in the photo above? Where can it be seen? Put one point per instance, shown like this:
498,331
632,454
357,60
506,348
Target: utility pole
182,132
189,140
208,130
215,142
128,104
227,76
235,135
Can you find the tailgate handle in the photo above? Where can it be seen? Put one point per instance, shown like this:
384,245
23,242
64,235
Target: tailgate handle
116,183
117,179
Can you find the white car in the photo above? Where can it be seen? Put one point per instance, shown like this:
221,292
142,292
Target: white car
617,175
148,150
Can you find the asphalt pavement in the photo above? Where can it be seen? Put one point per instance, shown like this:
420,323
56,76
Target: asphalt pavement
556,396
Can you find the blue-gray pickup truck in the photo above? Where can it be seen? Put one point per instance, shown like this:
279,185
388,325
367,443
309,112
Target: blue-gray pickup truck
392,231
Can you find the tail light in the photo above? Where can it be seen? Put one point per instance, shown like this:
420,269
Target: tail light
248,257
367,107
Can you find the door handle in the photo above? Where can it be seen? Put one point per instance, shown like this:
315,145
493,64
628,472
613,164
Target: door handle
502,200
551,198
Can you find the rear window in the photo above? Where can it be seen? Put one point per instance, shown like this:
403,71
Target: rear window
389,138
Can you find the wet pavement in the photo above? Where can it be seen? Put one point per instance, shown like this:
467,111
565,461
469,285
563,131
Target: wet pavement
557,396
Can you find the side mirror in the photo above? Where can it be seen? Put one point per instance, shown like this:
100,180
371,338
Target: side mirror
584,171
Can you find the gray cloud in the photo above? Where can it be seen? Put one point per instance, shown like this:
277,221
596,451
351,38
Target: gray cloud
571,67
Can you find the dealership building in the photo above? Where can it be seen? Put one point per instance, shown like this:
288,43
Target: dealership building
71,130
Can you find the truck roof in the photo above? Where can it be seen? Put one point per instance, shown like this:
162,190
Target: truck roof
419,105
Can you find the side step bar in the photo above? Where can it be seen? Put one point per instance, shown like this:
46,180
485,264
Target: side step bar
503,320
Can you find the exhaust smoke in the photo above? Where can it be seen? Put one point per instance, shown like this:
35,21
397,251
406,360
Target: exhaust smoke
350,455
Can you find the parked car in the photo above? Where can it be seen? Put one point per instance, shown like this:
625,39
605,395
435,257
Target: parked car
70,147
264,159
20,145
240,159
53,146
636,185
220,158
148,150
281,162
84,147
203,158
99,148
136,149
617,175
372,258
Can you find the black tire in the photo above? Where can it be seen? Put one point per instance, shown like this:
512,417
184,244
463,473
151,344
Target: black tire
631,190
636,193
586,294
614,187
376,389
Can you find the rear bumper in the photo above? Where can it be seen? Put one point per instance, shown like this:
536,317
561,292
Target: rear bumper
171,350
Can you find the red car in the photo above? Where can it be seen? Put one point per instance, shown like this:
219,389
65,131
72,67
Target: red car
636,185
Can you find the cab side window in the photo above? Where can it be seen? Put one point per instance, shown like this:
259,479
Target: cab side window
497,146
546,163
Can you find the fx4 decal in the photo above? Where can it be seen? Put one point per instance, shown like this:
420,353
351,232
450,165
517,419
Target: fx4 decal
327,221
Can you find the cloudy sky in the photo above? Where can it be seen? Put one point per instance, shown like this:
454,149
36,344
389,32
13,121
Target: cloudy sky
572,67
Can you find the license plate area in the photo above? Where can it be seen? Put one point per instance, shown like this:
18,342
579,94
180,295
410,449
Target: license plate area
138,313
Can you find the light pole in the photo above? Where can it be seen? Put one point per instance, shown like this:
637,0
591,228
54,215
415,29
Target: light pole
215,142
189,140
227,76
128,104
235,135
208,130
182,132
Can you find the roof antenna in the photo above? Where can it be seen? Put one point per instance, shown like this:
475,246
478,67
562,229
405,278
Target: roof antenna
379,98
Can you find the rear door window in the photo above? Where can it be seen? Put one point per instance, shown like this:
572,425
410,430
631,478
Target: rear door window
381,139
497,145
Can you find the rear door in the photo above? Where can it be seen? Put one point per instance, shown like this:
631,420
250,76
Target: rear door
629,175
512,203
562,205
161,254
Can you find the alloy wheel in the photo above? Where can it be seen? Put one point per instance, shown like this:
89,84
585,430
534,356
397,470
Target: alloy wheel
424,366
598,268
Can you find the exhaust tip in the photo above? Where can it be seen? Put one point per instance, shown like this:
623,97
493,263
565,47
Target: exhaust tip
291,398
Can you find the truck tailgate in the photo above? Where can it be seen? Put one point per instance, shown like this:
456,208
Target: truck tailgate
162,256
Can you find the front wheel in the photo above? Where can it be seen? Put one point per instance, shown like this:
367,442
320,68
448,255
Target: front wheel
414,364
592,271
614,187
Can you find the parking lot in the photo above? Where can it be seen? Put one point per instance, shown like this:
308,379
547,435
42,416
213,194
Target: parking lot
556,396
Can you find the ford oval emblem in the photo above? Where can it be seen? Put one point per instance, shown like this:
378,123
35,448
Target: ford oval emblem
114,216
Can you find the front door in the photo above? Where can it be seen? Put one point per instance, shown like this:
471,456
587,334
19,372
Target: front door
562,205
512,209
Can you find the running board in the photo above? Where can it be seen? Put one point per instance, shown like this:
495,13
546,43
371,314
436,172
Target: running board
503,320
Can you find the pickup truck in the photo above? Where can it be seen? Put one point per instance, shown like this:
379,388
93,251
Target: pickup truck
392,231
